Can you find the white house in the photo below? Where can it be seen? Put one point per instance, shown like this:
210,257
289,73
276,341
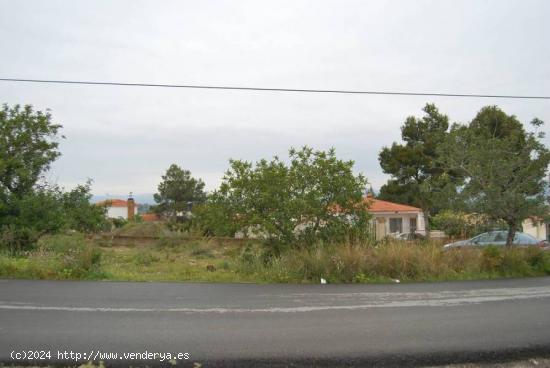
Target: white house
388,218
119,208
536,227
393,218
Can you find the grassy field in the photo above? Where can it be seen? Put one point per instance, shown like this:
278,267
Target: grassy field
148,252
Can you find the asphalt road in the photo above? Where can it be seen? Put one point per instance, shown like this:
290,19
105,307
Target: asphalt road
270,325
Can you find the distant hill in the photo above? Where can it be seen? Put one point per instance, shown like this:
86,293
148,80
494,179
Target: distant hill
141,198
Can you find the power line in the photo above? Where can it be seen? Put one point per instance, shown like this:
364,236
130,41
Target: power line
263,89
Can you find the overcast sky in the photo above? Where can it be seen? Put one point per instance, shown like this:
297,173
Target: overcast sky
124,138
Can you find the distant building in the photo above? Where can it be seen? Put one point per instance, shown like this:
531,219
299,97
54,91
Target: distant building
119,208
537,227
394,218
388,218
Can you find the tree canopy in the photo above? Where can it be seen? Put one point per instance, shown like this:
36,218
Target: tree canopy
504,166
417,177
177,190
28,145
29,206
313,197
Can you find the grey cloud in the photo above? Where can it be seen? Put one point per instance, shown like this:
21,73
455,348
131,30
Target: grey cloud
125,137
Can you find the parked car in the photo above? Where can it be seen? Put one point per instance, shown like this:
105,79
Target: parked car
409,236
498,238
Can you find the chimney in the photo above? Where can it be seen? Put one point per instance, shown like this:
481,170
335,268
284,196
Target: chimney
131,207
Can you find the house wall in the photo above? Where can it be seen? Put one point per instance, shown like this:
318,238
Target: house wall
116,212
535,228
382,222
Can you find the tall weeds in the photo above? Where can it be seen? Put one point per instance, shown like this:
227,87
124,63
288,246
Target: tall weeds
56,257
393,260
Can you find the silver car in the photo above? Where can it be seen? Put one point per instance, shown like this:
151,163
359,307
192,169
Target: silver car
409,236
498,238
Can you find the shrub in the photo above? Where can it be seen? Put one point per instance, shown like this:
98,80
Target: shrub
119,222
538,259
16,239
77,258
47,210
213,218
315,197
56,257
422,261
514,262
454,224
224,265
463,225
492,259
78,263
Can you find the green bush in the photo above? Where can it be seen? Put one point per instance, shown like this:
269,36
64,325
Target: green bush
224,265
422,261
538,259
56,257
515,261
15,239
119,222
47,210
213,218
492,259
77,258
79,263
463,225
314,197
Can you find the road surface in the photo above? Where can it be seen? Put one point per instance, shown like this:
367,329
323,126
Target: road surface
270,325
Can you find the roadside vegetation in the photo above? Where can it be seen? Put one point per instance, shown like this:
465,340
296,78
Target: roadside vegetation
55,257
301,219
395,261
187,257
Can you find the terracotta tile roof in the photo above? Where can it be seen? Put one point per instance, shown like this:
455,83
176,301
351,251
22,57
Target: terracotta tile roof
378,205
114,203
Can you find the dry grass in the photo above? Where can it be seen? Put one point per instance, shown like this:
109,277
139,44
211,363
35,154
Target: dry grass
176,257
423,261
56,257
185,260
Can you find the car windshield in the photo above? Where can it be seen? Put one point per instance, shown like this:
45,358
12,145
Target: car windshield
485,238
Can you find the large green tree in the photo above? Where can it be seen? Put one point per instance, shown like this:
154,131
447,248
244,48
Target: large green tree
28,145
417,177
504,166
177,191
316,196
29,206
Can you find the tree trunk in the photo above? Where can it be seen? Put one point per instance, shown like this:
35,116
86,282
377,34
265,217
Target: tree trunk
511,234
426,213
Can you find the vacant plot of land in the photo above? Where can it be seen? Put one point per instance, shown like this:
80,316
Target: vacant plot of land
175,260
149,252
